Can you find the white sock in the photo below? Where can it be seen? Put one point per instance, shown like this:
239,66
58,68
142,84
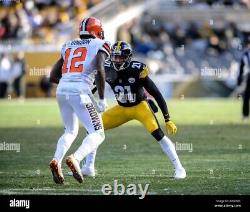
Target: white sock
63,145
90,160
169,149
90,143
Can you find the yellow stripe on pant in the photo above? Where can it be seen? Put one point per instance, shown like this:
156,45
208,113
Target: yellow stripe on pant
119,115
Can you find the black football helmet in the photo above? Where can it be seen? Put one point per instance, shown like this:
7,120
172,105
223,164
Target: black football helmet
121,53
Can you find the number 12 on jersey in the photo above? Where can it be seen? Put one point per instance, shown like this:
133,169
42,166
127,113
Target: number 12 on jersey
73,61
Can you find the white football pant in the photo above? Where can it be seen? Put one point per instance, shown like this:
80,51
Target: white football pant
72,108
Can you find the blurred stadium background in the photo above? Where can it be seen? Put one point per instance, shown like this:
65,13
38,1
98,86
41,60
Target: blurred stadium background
192,47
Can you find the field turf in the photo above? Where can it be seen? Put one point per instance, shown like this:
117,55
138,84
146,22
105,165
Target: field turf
217,163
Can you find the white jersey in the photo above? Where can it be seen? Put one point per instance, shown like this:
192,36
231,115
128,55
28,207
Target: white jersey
78,71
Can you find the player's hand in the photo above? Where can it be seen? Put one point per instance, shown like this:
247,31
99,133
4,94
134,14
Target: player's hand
102,105
171,128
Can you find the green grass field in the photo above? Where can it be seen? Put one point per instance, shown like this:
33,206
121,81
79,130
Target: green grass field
219,162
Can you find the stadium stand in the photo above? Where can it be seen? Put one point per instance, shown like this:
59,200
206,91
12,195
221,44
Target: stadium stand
182,41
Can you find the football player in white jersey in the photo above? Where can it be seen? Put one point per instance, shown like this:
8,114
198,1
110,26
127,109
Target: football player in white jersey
81,63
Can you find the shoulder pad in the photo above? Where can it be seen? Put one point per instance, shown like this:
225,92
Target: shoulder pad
140,67
136,65
144,72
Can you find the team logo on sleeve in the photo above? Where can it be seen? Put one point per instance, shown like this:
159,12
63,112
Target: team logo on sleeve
131,80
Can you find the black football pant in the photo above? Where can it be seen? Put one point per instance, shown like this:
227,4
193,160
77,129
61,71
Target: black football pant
3,89
246,98
17,86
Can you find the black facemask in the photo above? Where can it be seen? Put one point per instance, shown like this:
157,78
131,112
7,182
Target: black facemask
120,62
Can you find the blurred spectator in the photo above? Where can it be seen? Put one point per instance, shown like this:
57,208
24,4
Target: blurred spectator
10,26
192,32
214,47
5,75
43,21
125,33
179,36
92,3
246,2
18,73
185,46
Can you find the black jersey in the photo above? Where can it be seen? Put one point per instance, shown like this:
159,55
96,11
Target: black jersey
126,84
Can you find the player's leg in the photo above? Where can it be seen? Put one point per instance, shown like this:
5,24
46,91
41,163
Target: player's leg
88,167
92,122
148,119
70,132
246,100
111,118
115,116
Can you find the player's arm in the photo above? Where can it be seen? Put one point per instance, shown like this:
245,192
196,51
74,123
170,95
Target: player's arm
56,73
100,79
100,76
151,88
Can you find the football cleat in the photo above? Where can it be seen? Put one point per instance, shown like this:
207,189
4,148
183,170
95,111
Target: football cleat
180,173
74,166
56,172
86,171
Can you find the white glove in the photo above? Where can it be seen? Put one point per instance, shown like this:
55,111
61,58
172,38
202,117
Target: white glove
102,105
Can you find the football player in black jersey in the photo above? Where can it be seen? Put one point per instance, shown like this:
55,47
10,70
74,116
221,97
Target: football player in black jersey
128,79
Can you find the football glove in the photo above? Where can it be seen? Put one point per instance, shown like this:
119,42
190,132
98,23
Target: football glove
102,105
171,128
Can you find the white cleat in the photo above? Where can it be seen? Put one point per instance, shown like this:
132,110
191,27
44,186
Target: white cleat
87,171
180,173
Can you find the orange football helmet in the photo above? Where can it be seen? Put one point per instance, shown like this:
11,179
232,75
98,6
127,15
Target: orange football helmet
91,26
